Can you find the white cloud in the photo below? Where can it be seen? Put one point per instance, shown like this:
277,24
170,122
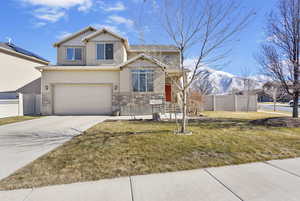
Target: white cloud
54,10
82,4
118,6
40,24
63,35
49,14
86,6
120,20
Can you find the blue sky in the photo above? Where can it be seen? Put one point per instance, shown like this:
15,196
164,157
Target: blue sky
36,24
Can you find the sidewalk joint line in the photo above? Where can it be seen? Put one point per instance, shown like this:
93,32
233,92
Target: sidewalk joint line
131,188
282,169
227,187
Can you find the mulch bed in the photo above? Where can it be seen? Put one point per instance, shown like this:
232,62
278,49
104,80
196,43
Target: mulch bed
278,122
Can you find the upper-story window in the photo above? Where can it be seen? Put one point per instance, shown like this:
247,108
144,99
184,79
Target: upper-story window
142,80
74,53
105,51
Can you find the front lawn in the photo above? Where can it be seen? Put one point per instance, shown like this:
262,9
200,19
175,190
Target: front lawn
121,148
9,120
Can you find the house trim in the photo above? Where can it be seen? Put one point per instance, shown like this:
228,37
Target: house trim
77,68
103,30
145,50
89,28
146,57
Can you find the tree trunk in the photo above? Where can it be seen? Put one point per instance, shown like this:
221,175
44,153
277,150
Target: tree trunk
184,93
274,105
183,125
296,65
295,106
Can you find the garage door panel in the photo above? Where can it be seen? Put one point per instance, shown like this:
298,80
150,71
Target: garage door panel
82,99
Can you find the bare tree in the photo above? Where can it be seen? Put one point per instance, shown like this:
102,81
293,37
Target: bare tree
205,27
279,56
275,91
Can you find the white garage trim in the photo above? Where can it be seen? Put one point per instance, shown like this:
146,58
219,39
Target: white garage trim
81,98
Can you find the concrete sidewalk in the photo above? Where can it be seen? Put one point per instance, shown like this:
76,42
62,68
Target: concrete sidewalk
271,181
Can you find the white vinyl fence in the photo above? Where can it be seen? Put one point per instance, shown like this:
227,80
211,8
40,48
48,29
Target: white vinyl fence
26,104
241,103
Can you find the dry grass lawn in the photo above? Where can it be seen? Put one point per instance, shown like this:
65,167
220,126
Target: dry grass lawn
9,120
114,149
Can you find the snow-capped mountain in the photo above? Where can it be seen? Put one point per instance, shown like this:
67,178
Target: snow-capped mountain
222,82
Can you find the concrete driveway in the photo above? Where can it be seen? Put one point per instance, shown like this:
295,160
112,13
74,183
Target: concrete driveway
23,142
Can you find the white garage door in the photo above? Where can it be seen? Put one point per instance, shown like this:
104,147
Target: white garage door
82,99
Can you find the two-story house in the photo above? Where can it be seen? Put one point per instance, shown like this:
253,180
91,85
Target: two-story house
98,72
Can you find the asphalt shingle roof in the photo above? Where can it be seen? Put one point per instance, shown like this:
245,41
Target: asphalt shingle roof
13,47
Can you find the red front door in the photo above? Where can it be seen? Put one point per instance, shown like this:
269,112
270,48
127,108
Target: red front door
168,92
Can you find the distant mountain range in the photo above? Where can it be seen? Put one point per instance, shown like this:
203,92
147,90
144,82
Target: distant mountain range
222,82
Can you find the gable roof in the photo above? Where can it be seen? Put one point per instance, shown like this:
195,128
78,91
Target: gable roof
104,30
153,48
31,87
12,49
146,57
89,28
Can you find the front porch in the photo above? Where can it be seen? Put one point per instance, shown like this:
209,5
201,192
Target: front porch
167,100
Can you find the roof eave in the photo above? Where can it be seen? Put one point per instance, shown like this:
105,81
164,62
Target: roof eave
90,36
34,59
145,50
143,56
76,68
57,44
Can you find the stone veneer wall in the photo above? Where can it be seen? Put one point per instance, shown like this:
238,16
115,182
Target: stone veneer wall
136,103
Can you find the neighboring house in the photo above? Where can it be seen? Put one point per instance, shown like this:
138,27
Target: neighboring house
20,83
17,70
98,72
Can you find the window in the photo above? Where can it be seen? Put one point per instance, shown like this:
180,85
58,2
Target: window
142,80
105,51
74,54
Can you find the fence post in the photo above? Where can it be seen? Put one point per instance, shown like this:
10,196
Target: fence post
214,102
235,102
256,102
